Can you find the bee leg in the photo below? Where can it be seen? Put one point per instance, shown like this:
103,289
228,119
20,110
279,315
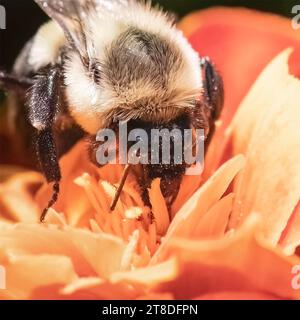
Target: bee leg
170,180
43,101
213,94
14,83
47,154
170,187
120,188
209,108
213,87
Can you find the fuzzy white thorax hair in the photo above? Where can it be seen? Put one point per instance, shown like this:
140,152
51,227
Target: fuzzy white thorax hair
46,45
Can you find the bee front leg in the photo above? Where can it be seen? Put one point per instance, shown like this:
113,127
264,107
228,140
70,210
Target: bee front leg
209,108
213,87
43,101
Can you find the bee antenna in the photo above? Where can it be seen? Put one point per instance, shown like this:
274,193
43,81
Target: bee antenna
53,200
120,188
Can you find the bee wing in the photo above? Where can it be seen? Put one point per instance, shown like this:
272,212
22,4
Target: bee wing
61,10
68,9
69,14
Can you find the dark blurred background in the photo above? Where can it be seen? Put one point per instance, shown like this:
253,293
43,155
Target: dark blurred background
24,17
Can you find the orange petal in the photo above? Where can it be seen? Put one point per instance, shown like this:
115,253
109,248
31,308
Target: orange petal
17,197
102,251
96,288
266,129
290,238
189,186
90,253
242,262
214,223
237,296
149,276
186,220
241,42
156,296
46,262
25,273
7,171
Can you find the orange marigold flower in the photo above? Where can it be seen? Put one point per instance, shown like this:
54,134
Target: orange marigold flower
232,233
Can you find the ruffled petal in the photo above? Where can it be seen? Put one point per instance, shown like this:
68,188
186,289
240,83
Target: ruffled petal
266,129
187,219
242,262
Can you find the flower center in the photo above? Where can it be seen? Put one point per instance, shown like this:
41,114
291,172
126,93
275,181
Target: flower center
131,220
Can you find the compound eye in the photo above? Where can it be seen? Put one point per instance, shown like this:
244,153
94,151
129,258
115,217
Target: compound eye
95,70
